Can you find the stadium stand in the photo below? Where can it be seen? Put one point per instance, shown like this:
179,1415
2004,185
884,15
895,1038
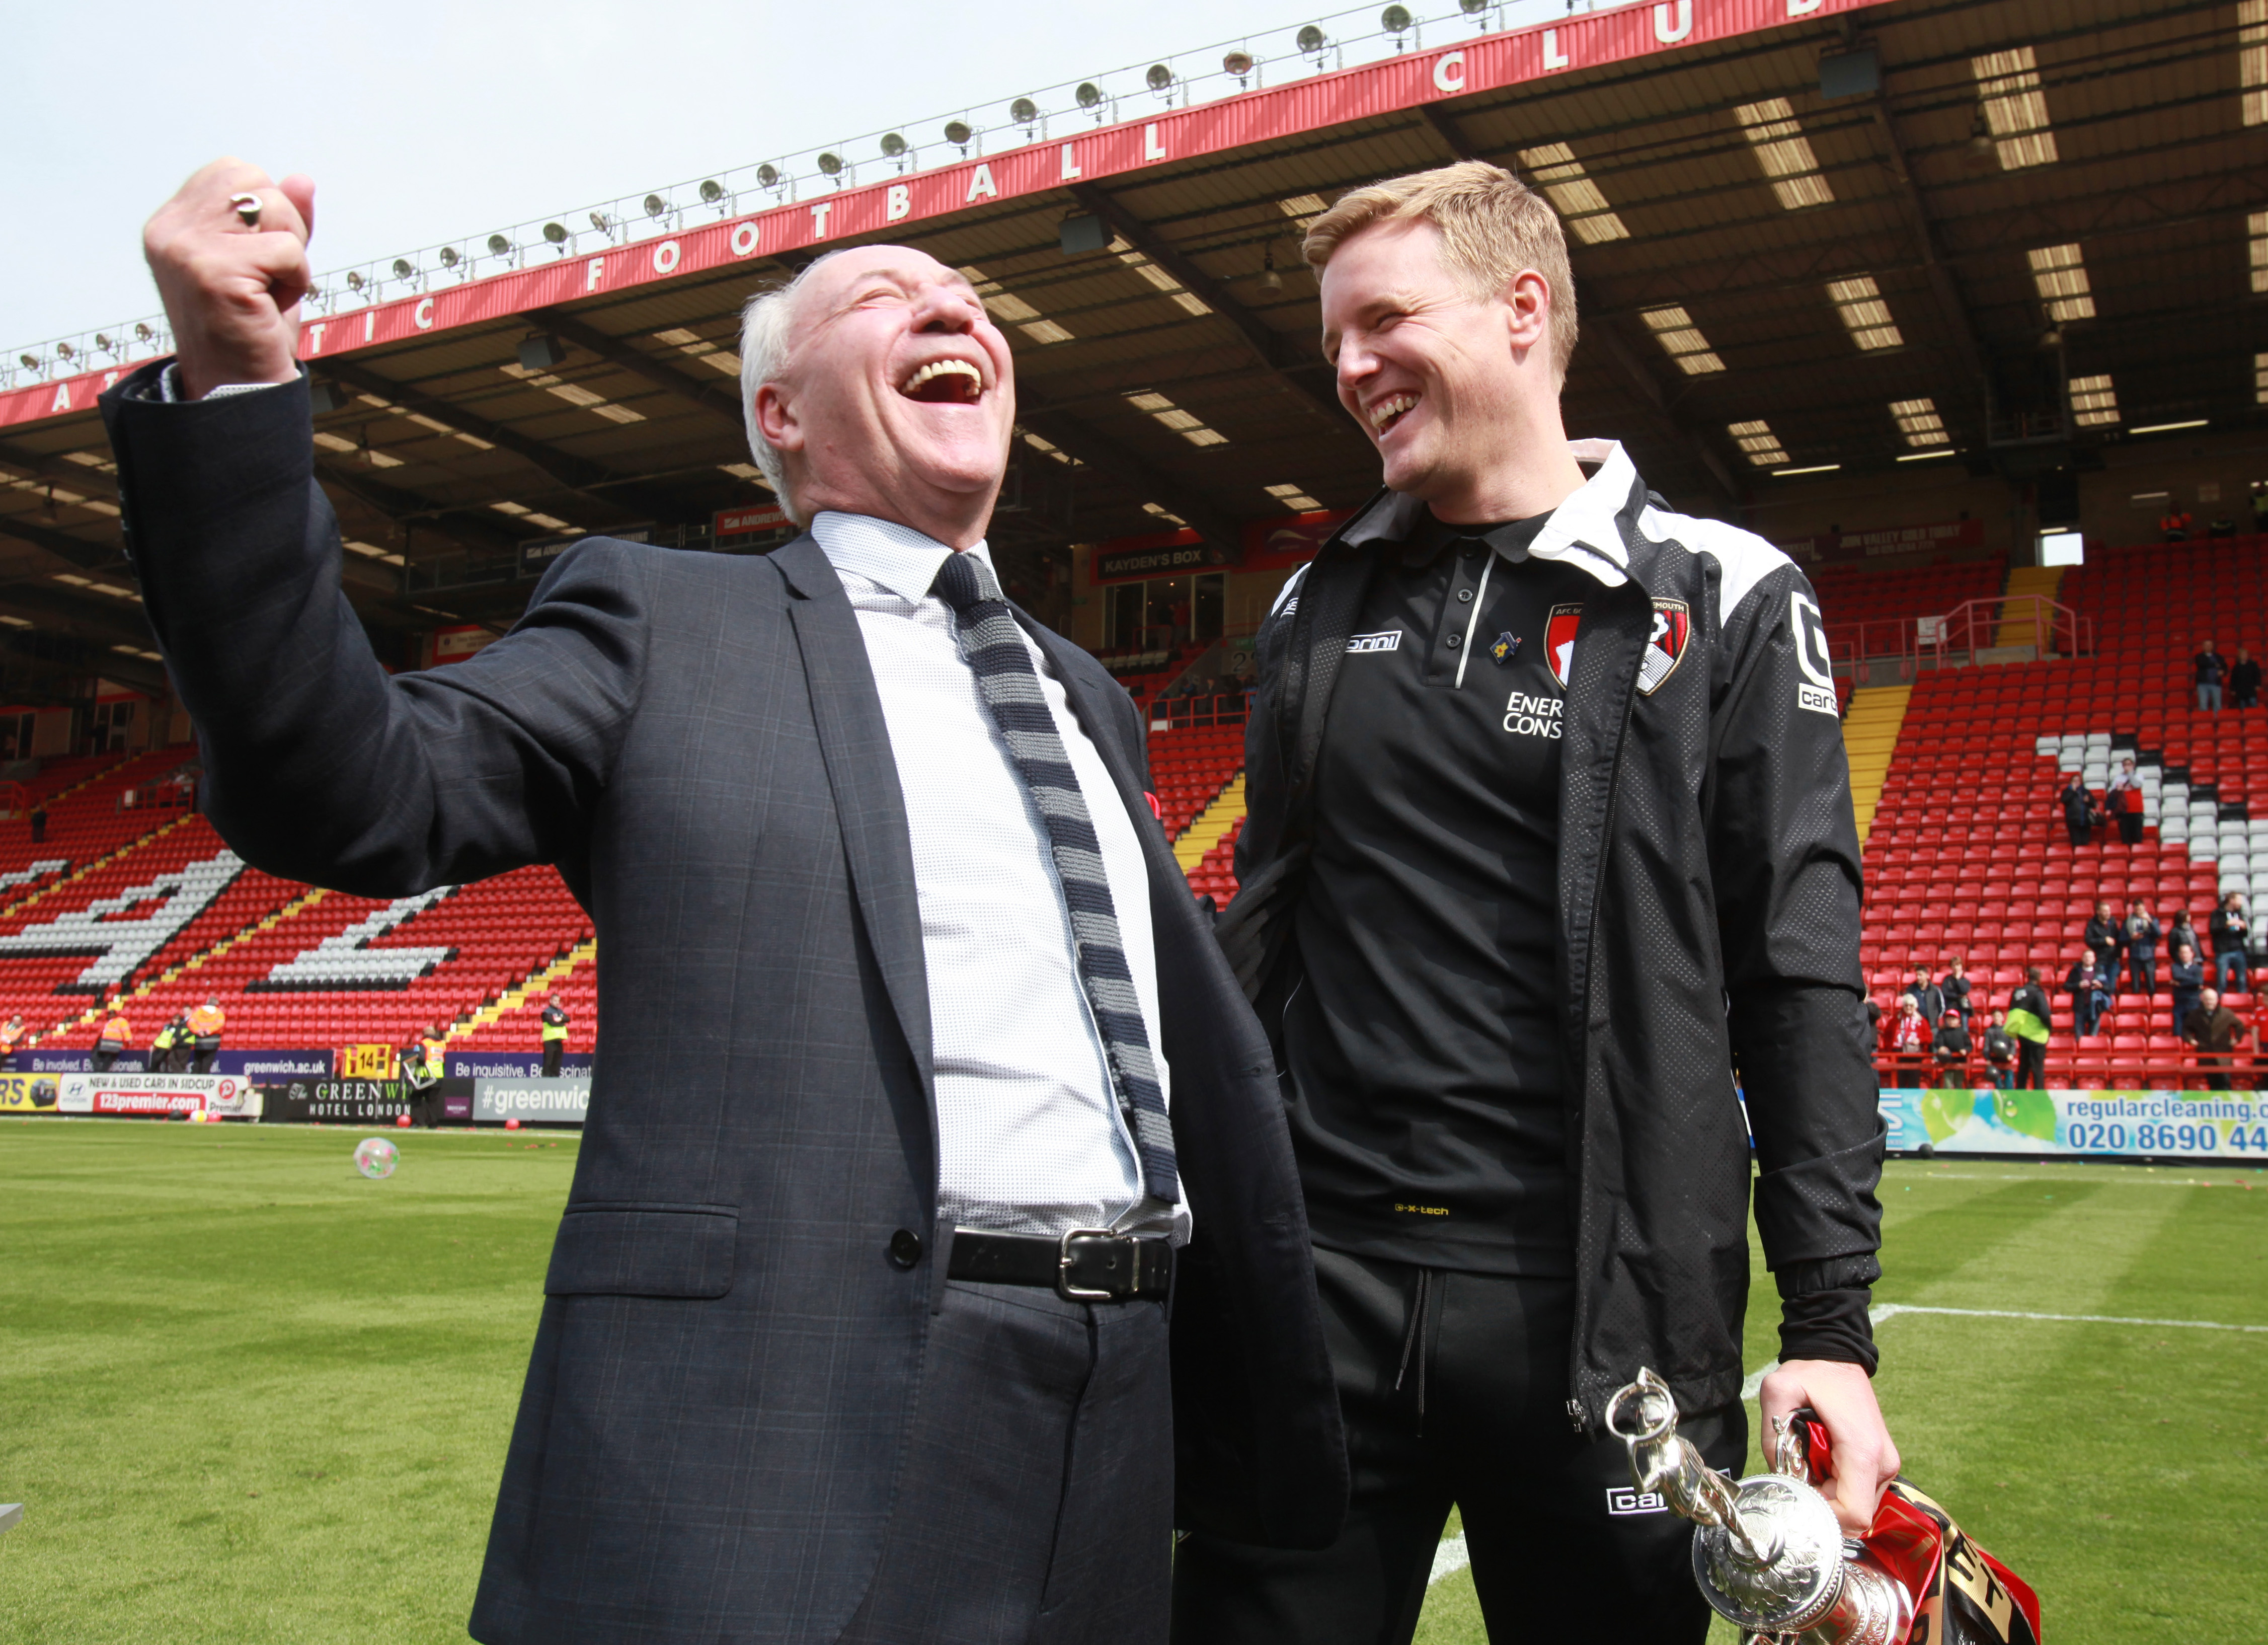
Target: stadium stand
1967,853
1869,612
1955,776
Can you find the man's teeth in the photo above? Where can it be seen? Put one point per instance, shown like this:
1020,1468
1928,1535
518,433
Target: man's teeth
940,368
1390,408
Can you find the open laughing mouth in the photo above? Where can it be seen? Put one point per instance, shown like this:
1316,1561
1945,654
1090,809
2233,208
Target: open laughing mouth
1389,411
944,382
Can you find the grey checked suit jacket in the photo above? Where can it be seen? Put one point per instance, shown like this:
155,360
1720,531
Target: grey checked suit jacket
718,1394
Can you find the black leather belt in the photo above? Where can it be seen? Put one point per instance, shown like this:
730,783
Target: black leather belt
1082,1265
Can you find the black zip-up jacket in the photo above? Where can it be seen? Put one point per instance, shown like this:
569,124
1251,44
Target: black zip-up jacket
1708,892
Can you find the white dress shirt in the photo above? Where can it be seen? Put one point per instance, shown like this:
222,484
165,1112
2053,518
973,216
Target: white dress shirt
1031,1140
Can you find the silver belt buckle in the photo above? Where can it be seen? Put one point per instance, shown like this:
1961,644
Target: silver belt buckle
1071,1293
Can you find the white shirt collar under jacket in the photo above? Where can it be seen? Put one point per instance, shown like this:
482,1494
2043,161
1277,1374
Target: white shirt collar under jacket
1030,1137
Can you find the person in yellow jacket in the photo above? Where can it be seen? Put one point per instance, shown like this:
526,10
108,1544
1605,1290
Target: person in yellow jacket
161,1046
555,1037
116,1036
204,1028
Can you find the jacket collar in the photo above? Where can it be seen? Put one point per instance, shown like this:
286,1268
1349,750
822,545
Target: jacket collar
1587,530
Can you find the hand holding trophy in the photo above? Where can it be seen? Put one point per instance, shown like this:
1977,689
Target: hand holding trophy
1769,1556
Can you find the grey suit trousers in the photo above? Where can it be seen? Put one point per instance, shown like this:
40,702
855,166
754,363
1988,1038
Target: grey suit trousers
1036,1503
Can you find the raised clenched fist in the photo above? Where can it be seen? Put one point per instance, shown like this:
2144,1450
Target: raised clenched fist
232,291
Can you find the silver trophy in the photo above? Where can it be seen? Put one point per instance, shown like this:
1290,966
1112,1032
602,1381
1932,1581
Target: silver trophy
1769,1553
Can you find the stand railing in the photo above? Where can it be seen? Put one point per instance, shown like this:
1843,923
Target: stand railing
2083,1070
1909,644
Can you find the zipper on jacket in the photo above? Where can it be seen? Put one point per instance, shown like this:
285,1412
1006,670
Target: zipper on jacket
1583,1304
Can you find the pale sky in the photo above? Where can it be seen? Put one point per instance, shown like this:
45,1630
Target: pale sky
422,121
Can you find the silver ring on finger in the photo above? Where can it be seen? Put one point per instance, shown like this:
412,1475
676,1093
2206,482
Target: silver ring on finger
247,209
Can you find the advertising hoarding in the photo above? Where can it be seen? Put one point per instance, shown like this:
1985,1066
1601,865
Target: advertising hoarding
2155,1125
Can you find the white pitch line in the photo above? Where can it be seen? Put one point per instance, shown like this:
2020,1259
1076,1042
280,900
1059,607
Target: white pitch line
1450,1558
1887,1310
1882,1311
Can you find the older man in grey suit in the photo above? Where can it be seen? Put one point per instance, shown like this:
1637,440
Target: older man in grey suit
923,1088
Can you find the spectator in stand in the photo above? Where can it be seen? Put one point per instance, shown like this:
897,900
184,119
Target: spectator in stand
1951,1046
2211,671
2140,935
2232,935
2174,525
2183,931
554,1035
2000,1047
2089,1000
9,1034
1955,987
2187,975
204,1028
2030,1020
116,1035
2260,507
2125,799
2213,1031
1905,1040
2104,937
2244,680
2079,813
1928,998
39,824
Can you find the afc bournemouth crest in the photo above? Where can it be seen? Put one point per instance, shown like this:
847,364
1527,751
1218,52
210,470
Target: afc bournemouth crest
1559,642
1665,647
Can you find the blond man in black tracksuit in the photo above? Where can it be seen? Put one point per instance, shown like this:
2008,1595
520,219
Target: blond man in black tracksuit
1550,831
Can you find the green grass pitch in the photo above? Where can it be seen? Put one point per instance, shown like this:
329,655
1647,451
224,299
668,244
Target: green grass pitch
251,1396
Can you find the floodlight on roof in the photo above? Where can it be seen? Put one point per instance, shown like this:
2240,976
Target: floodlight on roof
1395,20
1089,94
66,351
142,331
655,205
102,341
449,258
599,221
1472,8
893,143
711,191
1312,40
1158,78
354,280
958,131
30,361
498,246
555,233
831,163
1238,63
403,268
1269,278
767,175
1024,111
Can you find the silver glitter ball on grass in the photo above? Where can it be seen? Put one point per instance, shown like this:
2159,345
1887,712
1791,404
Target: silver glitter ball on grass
375,1158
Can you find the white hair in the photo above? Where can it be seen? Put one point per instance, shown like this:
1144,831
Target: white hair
766,329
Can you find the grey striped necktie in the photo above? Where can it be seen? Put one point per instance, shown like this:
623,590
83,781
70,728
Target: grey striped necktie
993,647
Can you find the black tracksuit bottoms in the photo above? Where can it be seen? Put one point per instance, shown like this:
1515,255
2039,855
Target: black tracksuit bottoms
1454,1388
